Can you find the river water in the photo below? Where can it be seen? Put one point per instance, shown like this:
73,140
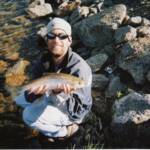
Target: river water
18,47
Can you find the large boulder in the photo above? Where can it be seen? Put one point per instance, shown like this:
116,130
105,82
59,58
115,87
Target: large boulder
39,9
134,57
99,81
132,108
131,121
96,62
124,34
98,30
115,88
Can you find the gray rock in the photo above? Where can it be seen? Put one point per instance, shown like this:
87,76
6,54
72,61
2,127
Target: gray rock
84,52
97,30
137,20
33,3
93,10
115,87
143,31
131,121
124,34
108,50
132,108
134,57
97,61
42,32
145,22
40,10
84,11
78,14
99,81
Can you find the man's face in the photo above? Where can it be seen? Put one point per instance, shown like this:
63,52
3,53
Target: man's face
58,43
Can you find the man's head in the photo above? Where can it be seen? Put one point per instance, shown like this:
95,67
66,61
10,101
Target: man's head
58,37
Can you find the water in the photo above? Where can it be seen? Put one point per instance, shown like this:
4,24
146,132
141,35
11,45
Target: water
18,47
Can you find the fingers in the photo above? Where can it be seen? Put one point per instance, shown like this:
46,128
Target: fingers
67,88
38,90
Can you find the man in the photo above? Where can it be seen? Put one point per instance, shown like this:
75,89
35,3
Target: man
58,114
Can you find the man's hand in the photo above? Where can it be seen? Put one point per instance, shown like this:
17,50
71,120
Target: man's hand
66,88
39,90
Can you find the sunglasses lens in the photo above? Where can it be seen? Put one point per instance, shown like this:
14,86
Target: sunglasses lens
53,36
62,37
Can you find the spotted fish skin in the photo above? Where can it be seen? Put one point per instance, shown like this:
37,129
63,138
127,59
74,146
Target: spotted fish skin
52,80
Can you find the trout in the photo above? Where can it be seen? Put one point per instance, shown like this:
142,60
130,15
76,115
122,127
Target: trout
52,80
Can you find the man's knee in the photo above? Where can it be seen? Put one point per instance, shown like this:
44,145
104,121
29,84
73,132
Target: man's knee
21,101
25,116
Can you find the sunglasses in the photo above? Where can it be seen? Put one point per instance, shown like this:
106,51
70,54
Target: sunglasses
51,36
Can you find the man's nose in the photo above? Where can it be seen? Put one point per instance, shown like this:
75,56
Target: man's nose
57,39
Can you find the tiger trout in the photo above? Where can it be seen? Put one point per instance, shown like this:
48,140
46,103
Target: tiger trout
52,80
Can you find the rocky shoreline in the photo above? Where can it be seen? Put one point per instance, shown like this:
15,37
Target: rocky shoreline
113,36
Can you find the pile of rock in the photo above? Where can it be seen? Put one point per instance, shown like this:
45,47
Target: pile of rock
117,47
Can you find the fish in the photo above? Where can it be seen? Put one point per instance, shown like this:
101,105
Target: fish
52,80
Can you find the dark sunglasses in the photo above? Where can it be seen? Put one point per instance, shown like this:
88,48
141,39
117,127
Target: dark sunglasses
51,36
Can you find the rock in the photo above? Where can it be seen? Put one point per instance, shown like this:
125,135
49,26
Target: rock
137,20
115,88
42,32
15,76
108,3
108,50
84,11
99,6
8,29
33,3
2,98
143,31
12,56
3,14
22,20
131,121
132,108
148,76
99,81
134,58
40,10
96,61
67,7
145,22
125,34
97,30
84,52
79,14
93,10
3,66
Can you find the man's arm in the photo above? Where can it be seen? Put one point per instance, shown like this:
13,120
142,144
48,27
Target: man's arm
80,101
